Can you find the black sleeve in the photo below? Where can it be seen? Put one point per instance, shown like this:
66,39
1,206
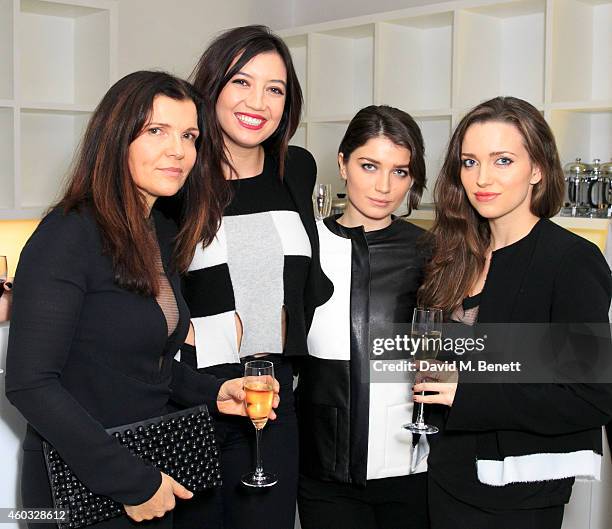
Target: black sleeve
49,291
192,388
582,290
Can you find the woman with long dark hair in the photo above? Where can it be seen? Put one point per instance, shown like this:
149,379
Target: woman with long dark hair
356,461
509,453
98,314
253,287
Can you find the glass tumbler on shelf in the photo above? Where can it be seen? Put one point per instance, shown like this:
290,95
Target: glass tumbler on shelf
259,389
322,200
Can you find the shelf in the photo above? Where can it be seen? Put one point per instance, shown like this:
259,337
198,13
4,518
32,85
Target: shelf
7,158
299,138
581,51
341,71
60,108
436,133
323,142
493,60
414,62
48,141
298,46
6,49
583,134
63,55
582,105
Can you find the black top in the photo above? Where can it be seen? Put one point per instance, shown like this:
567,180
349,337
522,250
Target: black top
84,354
551,275
263,260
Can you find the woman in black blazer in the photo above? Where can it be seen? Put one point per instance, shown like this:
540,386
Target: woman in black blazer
509,453
98,315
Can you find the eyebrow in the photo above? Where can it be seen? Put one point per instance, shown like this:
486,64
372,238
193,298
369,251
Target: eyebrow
159,124
270,81
406,165
494,153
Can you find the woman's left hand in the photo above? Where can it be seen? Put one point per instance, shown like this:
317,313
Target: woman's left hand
445,392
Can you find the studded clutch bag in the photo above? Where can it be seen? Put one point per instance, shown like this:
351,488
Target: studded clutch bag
180,444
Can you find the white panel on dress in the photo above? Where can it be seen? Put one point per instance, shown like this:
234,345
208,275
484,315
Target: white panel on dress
583,465
390,451
292,234
329,337
215,339
214,254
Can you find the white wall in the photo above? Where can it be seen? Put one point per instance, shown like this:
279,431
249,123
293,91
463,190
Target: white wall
316,11
171,36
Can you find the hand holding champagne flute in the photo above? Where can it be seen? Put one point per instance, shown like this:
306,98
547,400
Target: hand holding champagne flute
427,329
5,291
259,388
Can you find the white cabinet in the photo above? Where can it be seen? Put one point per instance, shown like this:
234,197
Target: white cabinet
438,61
57,59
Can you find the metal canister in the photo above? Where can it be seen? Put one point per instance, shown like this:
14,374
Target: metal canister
598,189
606,171
339,204
575,202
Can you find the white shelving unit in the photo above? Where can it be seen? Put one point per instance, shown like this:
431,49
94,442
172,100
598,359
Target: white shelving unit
438,61
57,59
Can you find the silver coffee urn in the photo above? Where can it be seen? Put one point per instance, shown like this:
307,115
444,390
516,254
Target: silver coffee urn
576,200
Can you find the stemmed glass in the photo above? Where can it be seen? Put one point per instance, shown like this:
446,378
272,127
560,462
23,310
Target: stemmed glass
3,273
426,326
258,385
322,200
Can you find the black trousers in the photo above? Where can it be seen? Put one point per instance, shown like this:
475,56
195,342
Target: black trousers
235,506
447,512
388,503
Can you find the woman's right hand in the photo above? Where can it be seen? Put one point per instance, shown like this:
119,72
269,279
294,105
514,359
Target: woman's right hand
161,502
231,398
6,300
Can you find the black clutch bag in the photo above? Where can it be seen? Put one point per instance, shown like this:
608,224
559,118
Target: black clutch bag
181,445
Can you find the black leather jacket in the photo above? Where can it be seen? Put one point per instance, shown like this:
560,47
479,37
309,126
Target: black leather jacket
385,268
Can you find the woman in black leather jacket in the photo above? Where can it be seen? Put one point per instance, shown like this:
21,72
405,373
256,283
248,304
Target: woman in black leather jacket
356,468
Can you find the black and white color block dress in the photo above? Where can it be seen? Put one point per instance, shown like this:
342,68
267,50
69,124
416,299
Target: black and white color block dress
263,261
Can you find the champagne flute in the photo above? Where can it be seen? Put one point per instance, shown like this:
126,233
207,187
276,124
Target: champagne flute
426,327
3,273
259,389
322,201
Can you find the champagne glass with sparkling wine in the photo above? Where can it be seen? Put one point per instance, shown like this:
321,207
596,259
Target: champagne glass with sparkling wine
427,329
258,385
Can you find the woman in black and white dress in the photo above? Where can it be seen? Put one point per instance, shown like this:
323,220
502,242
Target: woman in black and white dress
252,288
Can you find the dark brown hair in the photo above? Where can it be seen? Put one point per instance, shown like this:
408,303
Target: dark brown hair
461,235
101,180
213,72
399,127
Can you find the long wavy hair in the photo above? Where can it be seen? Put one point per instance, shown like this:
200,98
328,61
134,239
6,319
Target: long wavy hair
461,236
214,70
101,181
399,127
